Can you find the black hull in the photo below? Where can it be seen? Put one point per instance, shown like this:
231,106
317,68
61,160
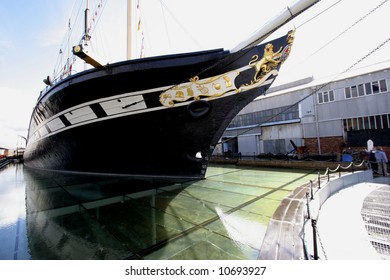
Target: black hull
121,120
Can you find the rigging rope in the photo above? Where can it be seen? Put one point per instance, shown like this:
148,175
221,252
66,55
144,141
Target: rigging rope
66,41
181,26
165,23
338,36
331,6
97,15
60,69
350,27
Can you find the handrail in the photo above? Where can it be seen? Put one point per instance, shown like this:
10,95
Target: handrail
341,168
4,163
310,196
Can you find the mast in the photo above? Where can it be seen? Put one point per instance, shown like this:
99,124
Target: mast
86,36
130,28
133,30
81,49
278,21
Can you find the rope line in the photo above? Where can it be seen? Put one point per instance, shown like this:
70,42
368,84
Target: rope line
350,27
319,14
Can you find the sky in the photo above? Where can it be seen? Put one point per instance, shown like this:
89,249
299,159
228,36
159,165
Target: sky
328,41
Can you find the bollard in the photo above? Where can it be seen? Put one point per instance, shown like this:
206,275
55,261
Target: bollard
313,224
311,189
319,180
307,204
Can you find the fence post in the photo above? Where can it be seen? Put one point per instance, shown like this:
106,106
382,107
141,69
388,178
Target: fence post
313,224
311,190
319,181
307,204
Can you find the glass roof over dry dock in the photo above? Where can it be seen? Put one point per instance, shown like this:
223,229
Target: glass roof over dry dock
66,216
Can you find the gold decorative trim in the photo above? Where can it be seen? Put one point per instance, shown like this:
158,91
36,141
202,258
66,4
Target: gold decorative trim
259,82
210,87
222,84
269,62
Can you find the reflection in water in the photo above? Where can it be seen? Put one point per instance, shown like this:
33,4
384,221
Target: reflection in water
91,217
48,215
241,230
13,233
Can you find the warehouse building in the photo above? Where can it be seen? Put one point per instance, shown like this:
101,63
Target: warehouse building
318,117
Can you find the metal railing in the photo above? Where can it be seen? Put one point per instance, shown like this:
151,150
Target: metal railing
4,162
315,186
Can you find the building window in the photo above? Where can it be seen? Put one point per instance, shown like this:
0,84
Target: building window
347,92
331,95
385,121
365,89
372,122
325,97
355,124
368,88
361,90
354,91
369,122
378,122
383,85
271,115
350,125
375,87
361,124
320,98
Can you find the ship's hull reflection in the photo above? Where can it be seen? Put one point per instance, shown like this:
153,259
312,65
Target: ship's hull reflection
96,217
224,217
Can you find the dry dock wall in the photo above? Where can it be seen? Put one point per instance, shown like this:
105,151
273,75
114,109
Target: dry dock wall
289,232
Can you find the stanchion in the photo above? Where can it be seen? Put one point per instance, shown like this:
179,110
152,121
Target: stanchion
313,224
307,204
311,190
319,180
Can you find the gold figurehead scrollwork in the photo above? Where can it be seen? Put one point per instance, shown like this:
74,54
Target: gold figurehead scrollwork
196,88
263,66
270,59
219,85
291,36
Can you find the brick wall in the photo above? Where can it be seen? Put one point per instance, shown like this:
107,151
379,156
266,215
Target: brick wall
333,145
328,145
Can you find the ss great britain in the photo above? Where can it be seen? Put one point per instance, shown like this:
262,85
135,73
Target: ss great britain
170,111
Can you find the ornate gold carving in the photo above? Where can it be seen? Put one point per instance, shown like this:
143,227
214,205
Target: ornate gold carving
291,36
222,84
211,87
228,82
257,83
269,61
